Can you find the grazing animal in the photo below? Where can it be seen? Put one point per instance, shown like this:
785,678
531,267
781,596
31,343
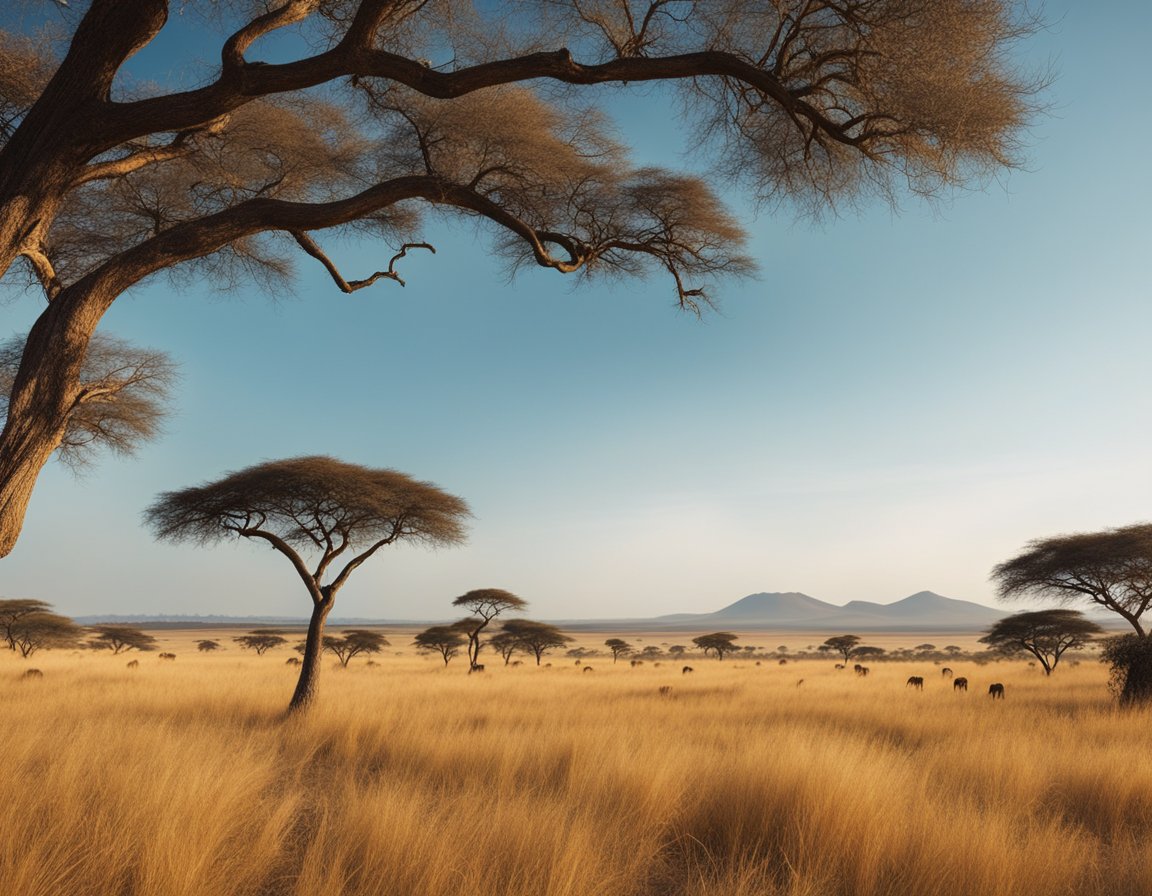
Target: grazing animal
841,666
665,690
782,663
372,663
996,691
167,656
800,682
521,663
636,663
134,664
686,670
476,667
32,673
758,662
588,669
946,672
292,661
857,668
862,671
960,684
915,681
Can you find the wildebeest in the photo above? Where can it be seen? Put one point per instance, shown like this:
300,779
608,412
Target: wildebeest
996,691
167,656
475,667
686,670
134,664
915,681
946,672
841,666
636,663
960,684
781,663
665,689
588,669
292,661
857,668
862,671
32,673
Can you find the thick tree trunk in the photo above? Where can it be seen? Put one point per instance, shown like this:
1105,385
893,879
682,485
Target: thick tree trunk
1137,690
309,682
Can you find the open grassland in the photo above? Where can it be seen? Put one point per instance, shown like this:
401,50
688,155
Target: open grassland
185,778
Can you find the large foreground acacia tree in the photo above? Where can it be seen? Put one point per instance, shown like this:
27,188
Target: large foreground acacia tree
484,112
339,512
1111,569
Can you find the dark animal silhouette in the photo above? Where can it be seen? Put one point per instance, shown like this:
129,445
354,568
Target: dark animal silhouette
167,656
915,681
292,661
782,663
636,663
665,689
862,671
521,663
686,670
371,663
996,691
856,668
134,664
588,669
946,672
476,667
960,684
32,673
841,666
800,682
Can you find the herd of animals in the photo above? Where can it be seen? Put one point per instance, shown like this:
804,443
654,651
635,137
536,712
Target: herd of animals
959,683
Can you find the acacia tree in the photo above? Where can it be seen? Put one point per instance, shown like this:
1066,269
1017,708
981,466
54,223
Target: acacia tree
480,111
845,645
505,644
533,637
12,610
339,512
485,604
36,631
207,646
119,638
618,646
354,642
260,641
1046,634
446,640
718,643
1111,569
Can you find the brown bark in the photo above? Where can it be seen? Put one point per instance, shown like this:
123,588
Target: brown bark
309,682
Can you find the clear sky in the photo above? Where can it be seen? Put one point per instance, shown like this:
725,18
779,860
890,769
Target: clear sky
897,403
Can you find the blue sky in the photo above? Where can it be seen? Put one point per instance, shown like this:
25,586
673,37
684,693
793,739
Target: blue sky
897,403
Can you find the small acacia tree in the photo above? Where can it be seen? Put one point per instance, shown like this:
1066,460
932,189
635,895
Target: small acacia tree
260,641
13,610
36,631
1046,634
485,604
618,646
536,638
845,645
119,638
718,643
1111,569
505,644
353,643
445,640
341,513
207,646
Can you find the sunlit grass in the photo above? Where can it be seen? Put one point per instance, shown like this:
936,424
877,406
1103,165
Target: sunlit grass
408,778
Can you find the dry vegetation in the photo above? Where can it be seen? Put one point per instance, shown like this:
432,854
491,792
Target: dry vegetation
407,778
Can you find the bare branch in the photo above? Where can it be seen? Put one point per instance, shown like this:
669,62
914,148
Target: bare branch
309,245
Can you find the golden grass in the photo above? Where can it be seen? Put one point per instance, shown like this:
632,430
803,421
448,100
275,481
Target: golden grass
184,778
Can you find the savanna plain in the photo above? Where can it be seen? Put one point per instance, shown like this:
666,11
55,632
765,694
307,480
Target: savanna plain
186,777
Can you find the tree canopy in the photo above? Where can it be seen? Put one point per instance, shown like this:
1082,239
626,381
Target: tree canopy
260,641
618,646
718,643
536,638
36,631
1111,568
340,513
354,642
443,639
1045,634
845,645
119,638
485,604
384,110
12,610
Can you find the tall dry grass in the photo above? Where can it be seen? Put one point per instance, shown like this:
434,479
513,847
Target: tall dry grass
185,778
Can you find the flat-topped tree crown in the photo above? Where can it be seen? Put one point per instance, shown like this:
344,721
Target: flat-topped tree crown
336,512
485,604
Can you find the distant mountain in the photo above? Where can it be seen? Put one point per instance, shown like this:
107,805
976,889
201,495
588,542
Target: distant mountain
924,610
